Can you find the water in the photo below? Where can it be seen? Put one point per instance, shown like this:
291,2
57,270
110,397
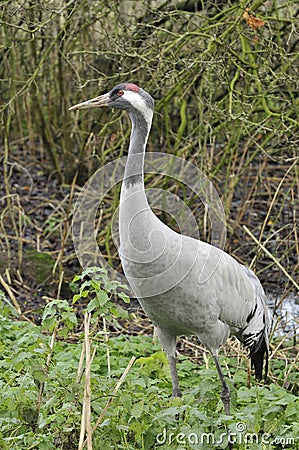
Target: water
284,316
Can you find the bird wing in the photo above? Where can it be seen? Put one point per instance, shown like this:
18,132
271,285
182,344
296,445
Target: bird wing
232,292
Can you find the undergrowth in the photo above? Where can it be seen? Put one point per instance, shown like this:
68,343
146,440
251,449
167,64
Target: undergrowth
44,395
226,100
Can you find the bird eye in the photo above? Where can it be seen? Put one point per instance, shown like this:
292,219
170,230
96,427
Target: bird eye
120,93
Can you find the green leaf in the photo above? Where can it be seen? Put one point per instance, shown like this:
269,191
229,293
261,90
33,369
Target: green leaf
137,410
92,305
292,409
124,297
102,297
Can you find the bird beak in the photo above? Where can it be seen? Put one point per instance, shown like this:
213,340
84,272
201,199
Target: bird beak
102,100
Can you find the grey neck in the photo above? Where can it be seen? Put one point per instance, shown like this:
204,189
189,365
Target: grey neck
139,135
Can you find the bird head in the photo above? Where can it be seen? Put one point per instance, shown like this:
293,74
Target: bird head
126,96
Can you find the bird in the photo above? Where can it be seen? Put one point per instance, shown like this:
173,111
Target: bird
186,286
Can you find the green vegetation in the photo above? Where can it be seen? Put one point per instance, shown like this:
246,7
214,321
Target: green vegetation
46,390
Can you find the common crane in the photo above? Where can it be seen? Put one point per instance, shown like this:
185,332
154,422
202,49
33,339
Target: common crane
216,297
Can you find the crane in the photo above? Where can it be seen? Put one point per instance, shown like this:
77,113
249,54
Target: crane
185,286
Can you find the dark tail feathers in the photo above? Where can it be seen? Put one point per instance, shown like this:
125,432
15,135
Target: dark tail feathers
257,355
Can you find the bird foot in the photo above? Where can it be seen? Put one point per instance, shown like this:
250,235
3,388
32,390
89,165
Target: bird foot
176,392
225,397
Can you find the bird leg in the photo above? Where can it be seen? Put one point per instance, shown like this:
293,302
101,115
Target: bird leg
176,392
225,393
168,342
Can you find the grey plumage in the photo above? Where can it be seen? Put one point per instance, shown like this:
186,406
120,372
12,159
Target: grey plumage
186,286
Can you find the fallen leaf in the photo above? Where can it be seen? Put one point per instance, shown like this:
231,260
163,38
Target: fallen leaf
252,21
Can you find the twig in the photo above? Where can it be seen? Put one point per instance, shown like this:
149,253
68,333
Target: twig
292,365
272,257
49,356
111,398
248,374
274,199
285,338
66,227
80,365
60,284
86,408
107,350
11,295
118,385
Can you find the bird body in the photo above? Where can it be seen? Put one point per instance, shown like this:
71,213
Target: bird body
185,286
212,299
